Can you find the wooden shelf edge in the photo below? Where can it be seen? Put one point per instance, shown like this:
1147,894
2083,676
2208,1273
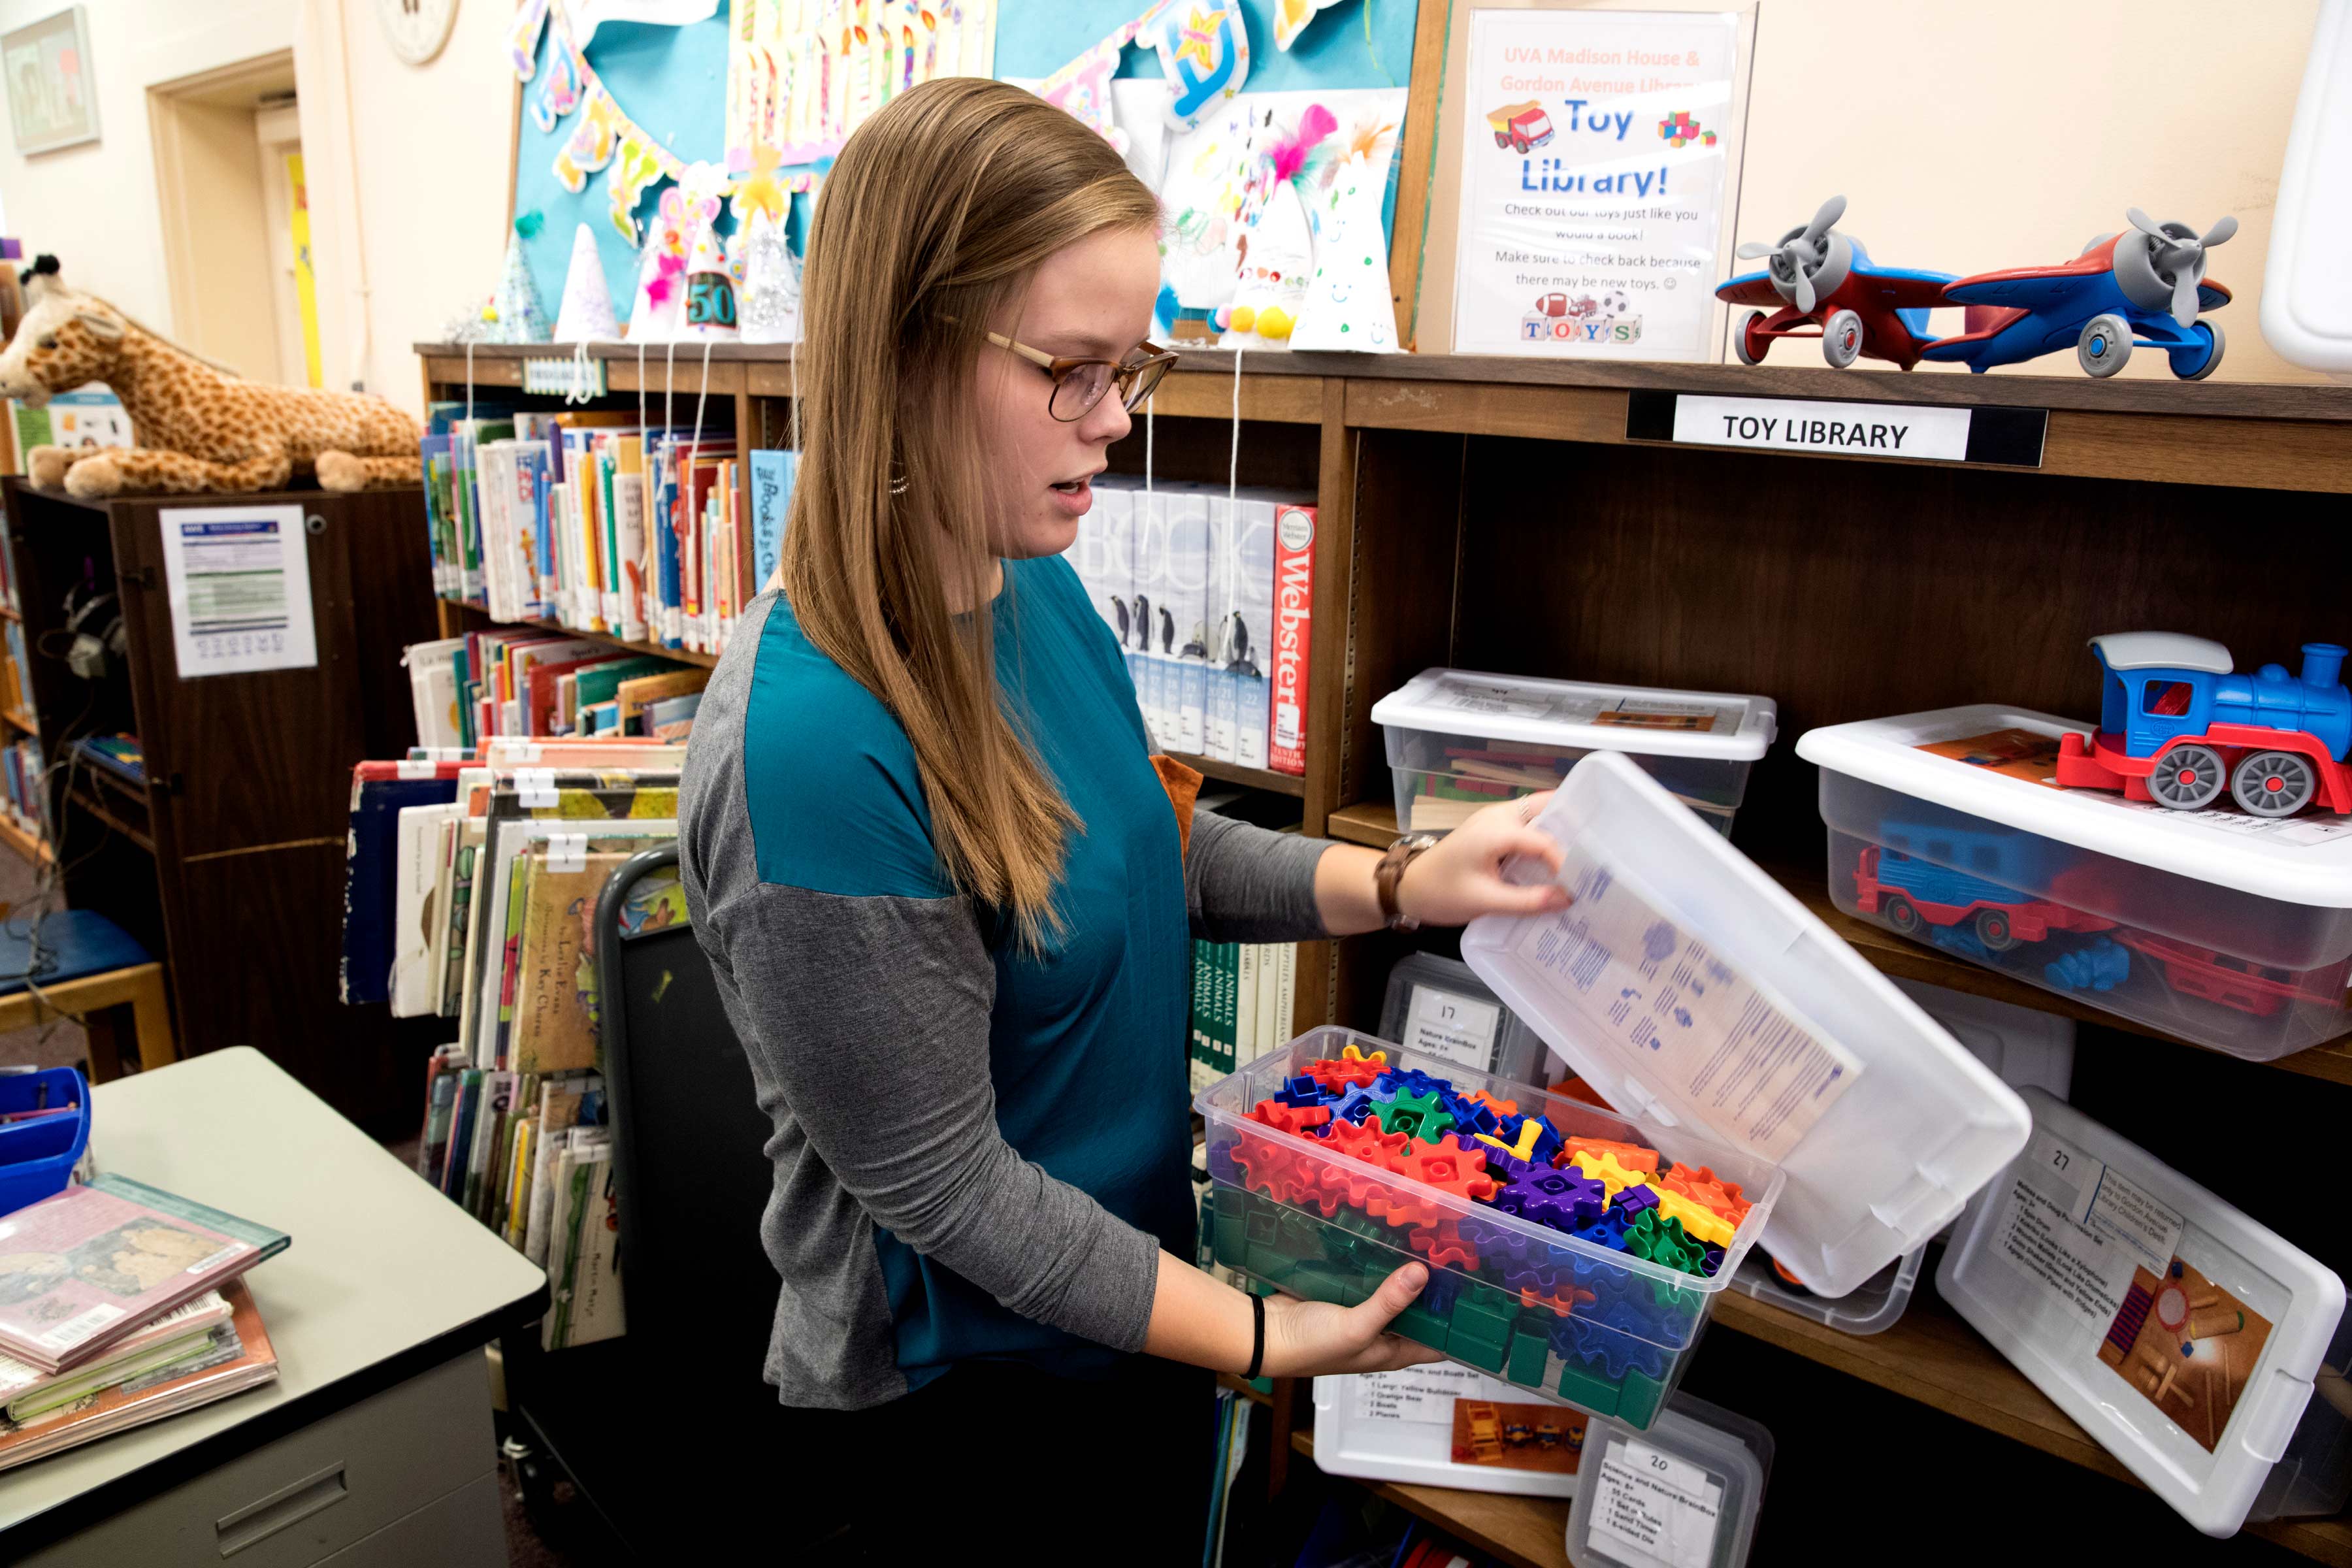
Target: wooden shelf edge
1374,823
29,845
16,720
89,803
557,629
1523,1531
1234,772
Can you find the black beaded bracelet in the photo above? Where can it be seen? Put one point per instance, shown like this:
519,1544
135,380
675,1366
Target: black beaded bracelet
1258,1337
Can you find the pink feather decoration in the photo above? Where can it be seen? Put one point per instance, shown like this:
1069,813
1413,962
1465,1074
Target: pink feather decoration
1312,126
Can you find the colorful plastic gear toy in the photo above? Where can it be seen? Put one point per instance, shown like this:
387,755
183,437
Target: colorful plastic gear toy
1303,1092
1603,1167
1702,1186
1416,1111
1633,1156
1300,1120
1557,1198
1698,1222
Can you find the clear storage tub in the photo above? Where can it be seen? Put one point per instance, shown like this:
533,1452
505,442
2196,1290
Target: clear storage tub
1574,1321
1873,1307
1440,1007
1684,1494
1459,739
2227,929
1402,1427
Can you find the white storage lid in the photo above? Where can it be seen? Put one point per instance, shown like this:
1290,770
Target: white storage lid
2023,1045
2305,860
1683,1494
1398,1426
1716,725
1703,1001
2147,1218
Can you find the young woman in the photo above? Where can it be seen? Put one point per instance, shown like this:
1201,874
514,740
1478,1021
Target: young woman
949,900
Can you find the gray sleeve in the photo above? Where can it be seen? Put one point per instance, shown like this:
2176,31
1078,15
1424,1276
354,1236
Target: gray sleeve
1244,883
872,1014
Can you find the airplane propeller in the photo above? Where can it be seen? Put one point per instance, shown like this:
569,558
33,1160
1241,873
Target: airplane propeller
2175,254
1801,253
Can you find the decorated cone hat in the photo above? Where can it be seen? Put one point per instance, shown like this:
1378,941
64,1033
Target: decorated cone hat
771,283
587,314
709,289
1348,305
518,319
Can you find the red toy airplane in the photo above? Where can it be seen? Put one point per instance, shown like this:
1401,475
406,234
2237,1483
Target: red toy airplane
1823,280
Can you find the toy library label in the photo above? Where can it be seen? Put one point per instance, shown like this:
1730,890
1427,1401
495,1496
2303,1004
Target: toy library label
2009,437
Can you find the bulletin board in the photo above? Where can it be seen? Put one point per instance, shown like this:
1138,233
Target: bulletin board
672,82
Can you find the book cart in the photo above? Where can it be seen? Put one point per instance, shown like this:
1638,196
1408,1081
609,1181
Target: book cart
1496,514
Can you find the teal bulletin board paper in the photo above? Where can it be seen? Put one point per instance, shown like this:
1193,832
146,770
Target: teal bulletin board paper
673,82
1038,37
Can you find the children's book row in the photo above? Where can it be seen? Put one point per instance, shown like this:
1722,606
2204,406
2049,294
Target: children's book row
522,683
1243,996
589,519
20,765
1209,592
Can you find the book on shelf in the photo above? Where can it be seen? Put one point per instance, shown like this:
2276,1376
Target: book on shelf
97,1263
1208,594
229,1354
1243,995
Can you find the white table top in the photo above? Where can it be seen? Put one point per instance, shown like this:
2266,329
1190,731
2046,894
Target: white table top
382,1266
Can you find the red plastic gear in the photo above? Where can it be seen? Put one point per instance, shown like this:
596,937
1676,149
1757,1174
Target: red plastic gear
1449,1167
1290,1117
1340,1072
1365,1141
1633,1156
1444,1245
1269,1167
1562,1302
1703,1187
1499,1107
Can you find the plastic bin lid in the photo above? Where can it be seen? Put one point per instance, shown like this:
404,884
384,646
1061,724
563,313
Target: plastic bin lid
1703,1002
2191,1298
1683,1494
1716,725
2305,860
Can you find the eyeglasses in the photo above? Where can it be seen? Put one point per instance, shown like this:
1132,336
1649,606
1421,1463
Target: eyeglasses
1080,383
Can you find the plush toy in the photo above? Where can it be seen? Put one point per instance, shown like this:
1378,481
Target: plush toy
199,427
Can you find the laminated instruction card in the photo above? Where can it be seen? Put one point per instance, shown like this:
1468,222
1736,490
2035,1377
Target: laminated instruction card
240,582
1596,157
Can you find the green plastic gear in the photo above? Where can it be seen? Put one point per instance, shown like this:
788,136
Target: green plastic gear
1419,1116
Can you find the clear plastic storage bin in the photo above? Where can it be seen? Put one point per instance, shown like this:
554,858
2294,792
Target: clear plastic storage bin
2186,1337
1402,1427
1683,1494
1873,1307
1458,739
1567,1318
1440,1007
2229,929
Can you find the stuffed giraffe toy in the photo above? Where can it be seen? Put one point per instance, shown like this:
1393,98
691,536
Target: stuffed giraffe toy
199,428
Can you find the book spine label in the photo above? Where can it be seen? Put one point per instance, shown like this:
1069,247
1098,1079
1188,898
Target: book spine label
1294,614
1245,962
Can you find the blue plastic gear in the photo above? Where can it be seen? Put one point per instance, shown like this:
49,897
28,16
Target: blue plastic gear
1615,1350
1303,1092
1356,1105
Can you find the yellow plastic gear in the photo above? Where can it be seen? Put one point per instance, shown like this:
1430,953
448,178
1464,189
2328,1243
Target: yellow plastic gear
1613,1177
1698,1220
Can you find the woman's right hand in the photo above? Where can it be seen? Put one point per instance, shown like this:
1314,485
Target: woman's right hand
1319,1339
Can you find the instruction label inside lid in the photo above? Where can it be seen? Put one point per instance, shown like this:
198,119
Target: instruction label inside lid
2119,1288
1650,1507
1454,694
1441,1023
1420,1394
1716,1048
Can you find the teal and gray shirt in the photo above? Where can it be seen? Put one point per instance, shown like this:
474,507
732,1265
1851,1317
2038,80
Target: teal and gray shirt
978,1154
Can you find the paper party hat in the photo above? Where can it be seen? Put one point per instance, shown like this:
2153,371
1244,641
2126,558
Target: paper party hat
709,289
771,283
587,314
1349,306
515,305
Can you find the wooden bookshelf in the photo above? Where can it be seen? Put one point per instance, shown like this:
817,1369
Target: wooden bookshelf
29,845
455,612
16,719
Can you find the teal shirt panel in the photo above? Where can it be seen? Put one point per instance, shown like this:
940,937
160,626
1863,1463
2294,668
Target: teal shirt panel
1086,1039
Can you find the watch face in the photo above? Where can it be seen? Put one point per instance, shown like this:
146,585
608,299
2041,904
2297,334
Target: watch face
416,28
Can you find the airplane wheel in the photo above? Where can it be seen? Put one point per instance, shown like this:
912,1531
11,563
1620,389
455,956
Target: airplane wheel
2188,357
1841,339
2275,784
2187,778
2104,346
1745,344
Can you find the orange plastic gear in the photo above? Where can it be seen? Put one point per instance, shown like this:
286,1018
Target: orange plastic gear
1561,1302
1444,1245
1634,1157
1499,1107
1703,1187
1708,1224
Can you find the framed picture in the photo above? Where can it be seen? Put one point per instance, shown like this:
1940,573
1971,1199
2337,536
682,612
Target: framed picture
52,102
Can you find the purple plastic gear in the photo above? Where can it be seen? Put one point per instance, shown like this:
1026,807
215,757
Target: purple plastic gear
1557,1198
1632,1199
1221,1164
1437,1298
1711,1259
1503,1166
1303,1092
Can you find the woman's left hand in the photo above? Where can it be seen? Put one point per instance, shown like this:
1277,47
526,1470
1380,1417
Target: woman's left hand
1462,878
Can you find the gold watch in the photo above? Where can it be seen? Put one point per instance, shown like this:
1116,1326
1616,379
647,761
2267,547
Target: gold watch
1388,875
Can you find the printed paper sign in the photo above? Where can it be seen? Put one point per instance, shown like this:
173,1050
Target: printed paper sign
1651,1508
1447,1024
1593,166
1419,1394
240,582
1712,1045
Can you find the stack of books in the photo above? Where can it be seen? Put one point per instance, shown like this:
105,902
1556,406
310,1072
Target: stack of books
1212,597
120,1305
20,767
523,683
589,520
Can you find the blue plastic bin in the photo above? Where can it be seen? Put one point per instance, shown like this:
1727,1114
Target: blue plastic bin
37,1156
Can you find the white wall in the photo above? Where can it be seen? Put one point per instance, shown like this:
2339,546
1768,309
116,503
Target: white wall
429,145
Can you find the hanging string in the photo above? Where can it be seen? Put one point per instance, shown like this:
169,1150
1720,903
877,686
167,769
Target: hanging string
669,375
470,382
641,384
578,391
710,602
1370,48
1234,462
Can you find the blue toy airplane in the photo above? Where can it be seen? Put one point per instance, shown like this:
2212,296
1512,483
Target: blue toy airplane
2144,287
1823,280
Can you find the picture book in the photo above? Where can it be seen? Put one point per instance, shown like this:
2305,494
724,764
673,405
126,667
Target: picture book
772,474
555,1009
235,1355
28,1390
562,1103
672,718
417,883
96,1263
640,692
584,1263
380,792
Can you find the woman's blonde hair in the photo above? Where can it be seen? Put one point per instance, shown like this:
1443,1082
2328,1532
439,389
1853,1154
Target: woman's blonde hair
935,217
